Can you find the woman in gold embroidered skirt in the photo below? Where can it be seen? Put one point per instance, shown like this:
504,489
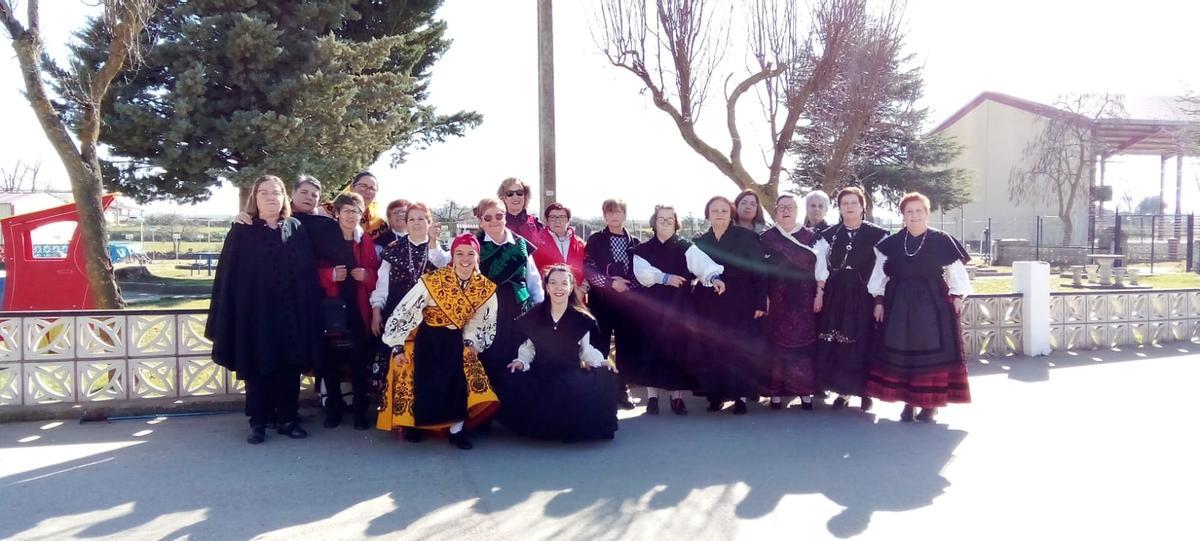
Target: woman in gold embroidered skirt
436,381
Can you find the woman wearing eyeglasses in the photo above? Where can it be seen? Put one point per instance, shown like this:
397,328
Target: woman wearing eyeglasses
515,195
367,186
796,270
919,284
264,320
847,324
666,265
352,285
506,259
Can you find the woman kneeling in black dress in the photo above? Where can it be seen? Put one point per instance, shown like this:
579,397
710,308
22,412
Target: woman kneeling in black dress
570,392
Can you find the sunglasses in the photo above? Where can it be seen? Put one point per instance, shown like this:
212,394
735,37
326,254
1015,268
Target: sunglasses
514,193
497,217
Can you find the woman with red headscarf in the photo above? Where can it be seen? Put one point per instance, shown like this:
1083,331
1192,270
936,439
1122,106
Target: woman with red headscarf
436,381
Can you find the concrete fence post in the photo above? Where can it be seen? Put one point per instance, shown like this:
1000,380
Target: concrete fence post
1032,280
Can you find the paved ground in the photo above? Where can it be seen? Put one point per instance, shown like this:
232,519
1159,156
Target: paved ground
1088,446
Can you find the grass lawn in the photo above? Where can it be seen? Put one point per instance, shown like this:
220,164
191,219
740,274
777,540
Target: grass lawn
1168,276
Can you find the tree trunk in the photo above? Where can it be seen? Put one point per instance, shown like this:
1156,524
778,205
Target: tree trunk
86,184
1068,229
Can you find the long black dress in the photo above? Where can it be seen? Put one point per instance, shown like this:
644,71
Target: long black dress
793,268
664,314
264,318
727,345
920,359
557,398
846,324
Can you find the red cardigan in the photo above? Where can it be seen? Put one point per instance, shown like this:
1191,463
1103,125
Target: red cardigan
547,253
365,257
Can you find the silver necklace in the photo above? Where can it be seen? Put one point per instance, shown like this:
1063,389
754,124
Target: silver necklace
849,236
919,246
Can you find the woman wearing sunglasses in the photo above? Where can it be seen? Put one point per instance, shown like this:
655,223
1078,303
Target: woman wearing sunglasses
506,259
514,193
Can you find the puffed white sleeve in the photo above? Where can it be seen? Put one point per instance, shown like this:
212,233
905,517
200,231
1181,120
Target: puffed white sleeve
699,264
822,270
957,278
481,330
533,280
525,354
380,294
407,316
646,274
878,282
589,354
440,257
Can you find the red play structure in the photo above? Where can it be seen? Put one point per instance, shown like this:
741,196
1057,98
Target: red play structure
41,275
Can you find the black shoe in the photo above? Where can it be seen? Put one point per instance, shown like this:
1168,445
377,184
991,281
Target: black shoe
413,435
361,423
927,415
332,420
678,406
652,406
776,405
739,407
293,430
839,403
806,406
713,405
625,404
460,440
866,404
906,415
258,434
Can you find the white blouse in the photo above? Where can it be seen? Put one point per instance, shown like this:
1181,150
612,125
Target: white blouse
698,263
587,353
478,332
955,275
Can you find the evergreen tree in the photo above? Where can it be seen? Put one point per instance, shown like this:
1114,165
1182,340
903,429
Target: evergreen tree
891,156
232,89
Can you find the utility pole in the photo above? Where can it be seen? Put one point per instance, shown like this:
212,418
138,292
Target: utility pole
549,180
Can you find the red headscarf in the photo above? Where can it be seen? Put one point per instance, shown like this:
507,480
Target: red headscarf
465,238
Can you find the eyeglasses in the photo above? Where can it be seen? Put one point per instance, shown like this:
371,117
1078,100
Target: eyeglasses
786,207
351,210
558,218
665,220
497,217
514,193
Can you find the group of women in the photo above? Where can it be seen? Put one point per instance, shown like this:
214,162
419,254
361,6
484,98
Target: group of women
517,321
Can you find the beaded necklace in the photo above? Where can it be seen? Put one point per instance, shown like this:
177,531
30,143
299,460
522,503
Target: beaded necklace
919,246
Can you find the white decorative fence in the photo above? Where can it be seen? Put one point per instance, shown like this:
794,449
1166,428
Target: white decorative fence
92,356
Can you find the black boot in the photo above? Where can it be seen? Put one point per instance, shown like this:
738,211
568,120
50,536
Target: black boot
927,415
739,406
460,440
906,415
866,404
714,405
293,430
258,434
652,406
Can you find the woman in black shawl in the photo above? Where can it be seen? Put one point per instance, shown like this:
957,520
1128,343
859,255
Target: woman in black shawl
727,342
264,319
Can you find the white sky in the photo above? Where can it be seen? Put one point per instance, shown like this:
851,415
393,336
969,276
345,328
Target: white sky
613,142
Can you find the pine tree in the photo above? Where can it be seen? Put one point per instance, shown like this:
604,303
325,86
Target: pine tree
232,89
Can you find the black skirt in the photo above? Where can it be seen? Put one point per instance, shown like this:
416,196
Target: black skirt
439,385
569,404
846,335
